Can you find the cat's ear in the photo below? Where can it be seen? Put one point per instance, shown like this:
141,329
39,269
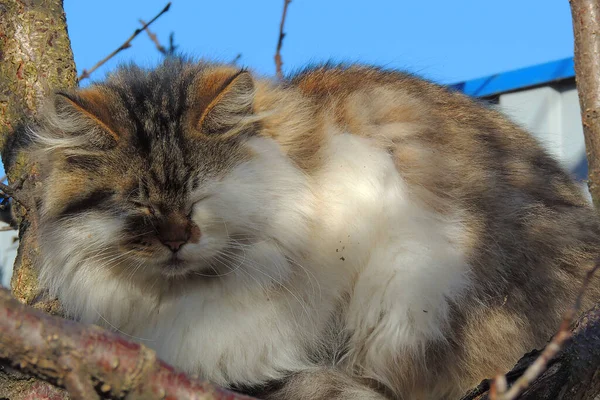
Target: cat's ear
232,102
85,116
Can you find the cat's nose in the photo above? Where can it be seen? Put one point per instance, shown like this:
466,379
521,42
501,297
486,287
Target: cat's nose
174,245
174,231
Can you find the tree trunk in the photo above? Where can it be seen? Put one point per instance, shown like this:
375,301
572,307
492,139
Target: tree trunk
35,58
586,29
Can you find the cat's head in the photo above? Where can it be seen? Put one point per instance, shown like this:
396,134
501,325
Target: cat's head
163,173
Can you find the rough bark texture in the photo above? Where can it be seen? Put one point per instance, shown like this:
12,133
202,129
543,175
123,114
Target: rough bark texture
573,374
35,58
89,361
586,29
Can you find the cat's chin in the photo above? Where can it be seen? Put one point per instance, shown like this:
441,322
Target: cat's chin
176,268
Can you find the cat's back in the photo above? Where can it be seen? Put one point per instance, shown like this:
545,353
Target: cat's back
452,145
526,218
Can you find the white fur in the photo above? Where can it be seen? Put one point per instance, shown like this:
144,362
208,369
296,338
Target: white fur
351,229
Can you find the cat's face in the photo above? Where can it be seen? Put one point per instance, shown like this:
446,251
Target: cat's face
161,174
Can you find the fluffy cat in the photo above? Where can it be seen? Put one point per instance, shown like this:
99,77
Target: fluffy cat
348,233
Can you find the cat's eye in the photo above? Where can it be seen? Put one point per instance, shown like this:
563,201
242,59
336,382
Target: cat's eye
196,201
200,198
146,209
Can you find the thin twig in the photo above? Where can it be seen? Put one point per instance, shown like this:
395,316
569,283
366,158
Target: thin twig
154,38
86,73
236,59
172,46
278,60
7,228
498,387
552,349
11,192
7,190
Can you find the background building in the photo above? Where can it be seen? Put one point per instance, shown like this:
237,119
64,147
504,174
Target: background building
8,247
541,98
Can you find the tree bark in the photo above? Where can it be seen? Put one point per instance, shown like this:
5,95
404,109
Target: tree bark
35,58
89,361
586,29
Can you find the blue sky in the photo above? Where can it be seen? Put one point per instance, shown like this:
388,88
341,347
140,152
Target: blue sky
447,41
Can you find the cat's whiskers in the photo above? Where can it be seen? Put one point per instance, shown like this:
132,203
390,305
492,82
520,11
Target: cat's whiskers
109,258
117,329
312,279
260,268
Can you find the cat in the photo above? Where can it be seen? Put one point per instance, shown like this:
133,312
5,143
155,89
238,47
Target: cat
347,233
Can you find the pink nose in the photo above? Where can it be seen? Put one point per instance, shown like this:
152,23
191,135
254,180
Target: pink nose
174,245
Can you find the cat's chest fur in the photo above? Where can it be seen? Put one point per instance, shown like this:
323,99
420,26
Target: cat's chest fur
372,260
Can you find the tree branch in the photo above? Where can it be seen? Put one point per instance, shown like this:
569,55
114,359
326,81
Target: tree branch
278,60
127,44
586,30
236,59
172,46
10,192
154,39
89,361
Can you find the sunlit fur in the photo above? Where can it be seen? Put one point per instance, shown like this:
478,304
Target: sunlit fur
352,233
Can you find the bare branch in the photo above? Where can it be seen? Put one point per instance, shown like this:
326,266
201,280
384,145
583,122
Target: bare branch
7,192
498,387
172,46
154,39
7,228
32,340
278,60
236,59
127,44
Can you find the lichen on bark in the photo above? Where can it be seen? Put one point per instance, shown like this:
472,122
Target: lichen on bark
35,58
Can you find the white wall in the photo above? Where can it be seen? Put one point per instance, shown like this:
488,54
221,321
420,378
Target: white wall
8,252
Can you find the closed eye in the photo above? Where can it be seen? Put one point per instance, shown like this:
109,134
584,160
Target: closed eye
87,202
196,201
145,208
201,198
